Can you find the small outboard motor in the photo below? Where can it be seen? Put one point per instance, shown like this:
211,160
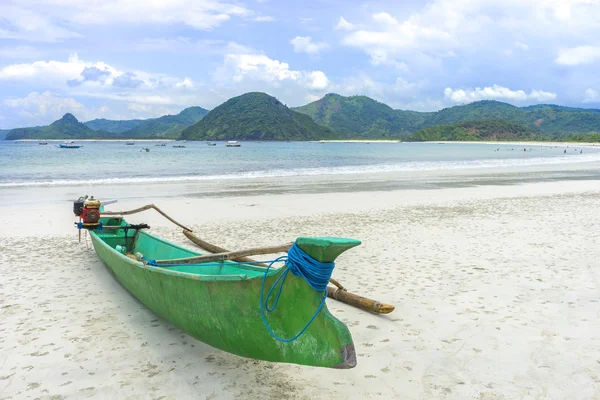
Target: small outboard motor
88,209
78,205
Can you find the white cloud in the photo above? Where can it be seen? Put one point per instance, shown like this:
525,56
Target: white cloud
392,37
496,92
521,45
591,96
317,80
448,28
54,20
579,55
344,25
185,84
44,107
77,77
30,24
304,44
50,71
397,94
237,67
263,18
198,14
259,67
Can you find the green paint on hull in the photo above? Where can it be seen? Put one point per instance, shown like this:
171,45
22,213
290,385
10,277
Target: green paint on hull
218,303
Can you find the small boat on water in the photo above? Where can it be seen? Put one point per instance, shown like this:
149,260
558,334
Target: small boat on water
69,146
179,146
224,299
43,143
210,144
233,143
130,143
161,144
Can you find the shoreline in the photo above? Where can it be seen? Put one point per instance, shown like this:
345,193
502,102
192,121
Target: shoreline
516,143
520,143
92,140
361,141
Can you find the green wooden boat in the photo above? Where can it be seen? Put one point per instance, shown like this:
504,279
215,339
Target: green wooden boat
219,303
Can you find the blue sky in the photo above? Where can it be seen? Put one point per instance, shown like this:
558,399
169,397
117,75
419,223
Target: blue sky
122,59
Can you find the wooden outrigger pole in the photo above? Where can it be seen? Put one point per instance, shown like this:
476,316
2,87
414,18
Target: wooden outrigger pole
144,208
336,292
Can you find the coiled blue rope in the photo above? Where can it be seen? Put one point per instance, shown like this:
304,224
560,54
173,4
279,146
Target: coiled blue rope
314,272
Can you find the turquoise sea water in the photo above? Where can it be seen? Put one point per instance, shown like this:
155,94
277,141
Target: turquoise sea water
24,164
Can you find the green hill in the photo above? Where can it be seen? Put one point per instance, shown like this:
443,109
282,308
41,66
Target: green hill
362,117
3,133
113,125
545,118
68,127
256,116
167,126
477,130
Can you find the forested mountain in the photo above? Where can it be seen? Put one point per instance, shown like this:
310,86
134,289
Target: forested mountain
113,126
477,130
360,116
68,127
256,116
167,126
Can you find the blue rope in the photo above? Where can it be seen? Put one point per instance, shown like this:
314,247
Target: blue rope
315,273
101,231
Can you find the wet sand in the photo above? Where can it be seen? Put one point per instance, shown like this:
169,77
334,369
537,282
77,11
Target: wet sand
497,290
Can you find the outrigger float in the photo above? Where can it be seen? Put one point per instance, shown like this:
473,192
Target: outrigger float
228,300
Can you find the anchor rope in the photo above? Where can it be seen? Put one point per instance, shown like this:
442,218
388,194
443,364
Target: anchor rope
315,273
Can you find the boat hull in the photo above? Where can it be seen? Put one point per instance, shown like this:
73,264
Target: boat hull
223,310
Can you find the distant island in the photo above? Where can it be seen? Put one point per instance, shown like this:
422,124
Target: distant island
259,116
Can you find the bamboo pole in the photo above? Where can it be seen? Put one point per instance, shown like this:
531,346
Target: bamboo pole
212,248
232,255
144,208
117,227
336,292
358,301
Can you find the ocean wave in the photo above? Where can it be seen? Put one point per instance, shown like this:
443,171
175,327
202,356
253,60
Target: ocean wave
340,170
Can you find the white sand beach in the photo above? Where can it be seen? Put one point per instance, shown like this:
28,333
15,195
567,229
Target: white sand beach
496,288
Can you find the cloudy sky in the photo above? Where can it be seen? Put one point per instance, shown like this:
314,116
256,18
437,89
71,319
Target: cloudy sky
122,59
